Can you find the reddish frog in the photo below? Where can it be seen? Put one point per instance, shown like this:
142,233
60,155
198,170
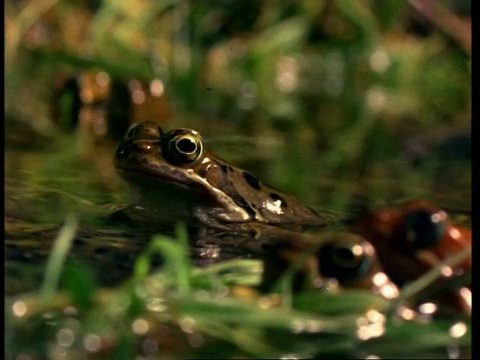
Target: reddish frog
413,238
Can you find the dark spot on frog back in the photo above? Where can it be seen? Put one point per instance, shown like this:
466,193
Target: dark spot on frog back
251,180
226,168
276,197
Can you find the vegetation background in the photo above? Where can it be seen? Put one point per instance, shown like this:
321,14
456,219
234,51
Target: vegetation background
346,104
332,98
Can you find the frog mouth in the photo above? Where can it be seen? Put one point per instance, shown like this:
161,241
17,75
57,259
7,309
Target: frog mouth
149,184
172,177
150,190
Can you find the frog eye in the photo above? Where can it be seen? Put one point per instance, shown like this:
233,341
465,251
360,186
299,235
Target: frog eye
132,131
344,260
182,146
425,228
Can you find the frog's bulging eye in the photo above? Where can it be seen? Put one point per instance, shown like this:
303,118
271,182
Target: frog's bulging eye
425,229
132,131
344,261
182,146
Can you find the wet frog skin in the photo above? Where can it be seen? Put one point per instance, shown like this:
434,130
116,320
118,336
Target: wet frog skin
324,260
173,177
413,238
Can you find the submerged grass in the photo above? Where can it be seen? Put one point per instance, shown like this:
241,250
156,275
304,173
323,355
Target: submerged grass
215,312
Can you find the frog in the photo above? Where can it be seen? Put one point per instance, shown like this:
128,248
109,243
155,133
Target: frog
172,177
328,261
414,237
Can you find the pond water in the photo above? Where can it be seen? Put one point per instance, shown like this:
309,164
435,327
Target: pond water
45,184
68,174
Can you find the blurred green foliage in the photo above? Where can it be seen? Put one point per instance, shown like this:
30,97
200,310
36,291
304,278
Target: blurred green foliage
339,98
184,312
340,85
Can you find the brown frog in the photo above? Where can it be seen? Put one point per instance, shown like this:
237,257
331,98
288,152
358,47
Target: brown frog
324,260
173,177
